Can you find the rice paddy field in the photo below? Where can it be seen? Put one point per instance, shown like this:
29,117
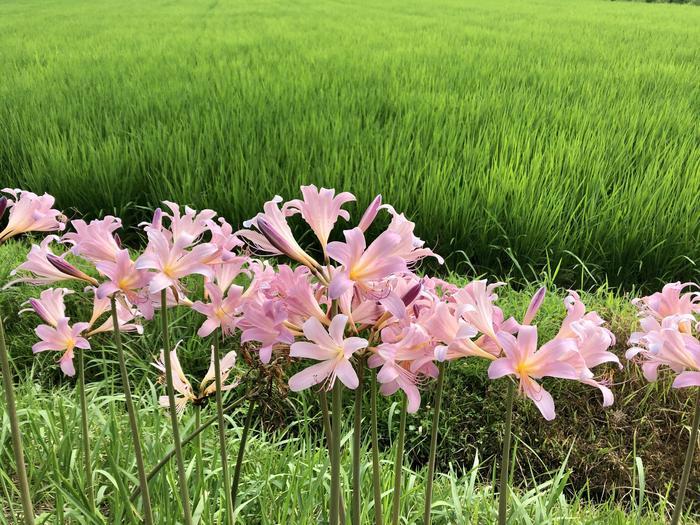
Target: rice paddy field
542,142
517,134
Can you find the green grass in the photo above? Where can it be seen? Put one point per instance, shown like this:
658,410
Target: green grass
514,133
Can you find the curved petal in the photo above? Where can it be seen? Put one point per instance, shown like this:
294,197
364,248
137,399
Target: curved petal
686,379
311,376
501,367
346,373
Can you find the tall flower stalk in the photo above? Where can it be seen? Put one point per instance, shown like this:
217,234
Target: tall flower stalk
433,444
357,445
17,448
133,421
505,457
689,455
241,451
221,427
182,476
376,467
398,466
85,432
335,455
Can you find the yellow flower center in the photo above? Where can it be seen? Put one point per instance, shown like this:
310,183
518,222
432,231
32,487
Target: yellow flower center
523,369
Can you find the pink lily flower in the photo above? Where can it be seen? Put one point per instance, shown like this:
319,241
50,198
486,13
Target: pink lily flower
125,314
411,248
273,235
523,360
50,306
62,338
364,267
123,277
265,323
224,239
332,349
31,213
220,311
186,229
455,334
320,209
299,295
475,303
171,262
668,346
95,241
41,271
670,301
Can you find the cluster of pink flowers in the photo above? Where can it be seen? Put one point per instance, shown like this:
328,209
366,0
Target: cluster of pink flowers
361,299
668,320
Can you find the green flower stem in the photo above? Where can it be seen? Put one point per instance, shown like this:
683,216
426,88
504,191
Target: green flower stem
505,457
329,442
398,465
376,474
17,448
85,432
241,452
433,444
221,424
357,445
133,421
335,455
689,455
169,455
182,476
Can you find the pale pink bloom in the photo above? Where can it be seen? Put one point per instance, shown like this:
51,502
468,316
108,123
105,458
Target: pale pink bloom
411,248
225,273
265,323
332,349
125,316
523,360
362,266
224,239
31,213
320,209
273,236
576,313
220,311
455,334
187,228
370,213
181,384
41,271
62,338
95,241
50,306
670,347
171,262
670,301
123,276
475,303
300,296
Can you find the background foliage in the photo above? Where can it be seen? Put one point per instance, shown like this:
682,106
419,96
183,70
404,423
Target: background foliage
515,134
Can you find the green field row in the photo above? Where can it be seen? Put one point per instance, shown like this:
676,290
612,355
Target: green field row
516,134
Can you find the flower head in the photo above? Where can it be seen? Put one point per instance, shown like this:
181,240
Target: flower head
320,209
62,338
95,241
31,213
333,351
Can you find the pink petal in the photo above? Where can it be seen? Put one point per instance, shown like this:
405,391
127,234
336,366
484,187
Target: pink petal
310,351
311,376
686,379
346,373
500,367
